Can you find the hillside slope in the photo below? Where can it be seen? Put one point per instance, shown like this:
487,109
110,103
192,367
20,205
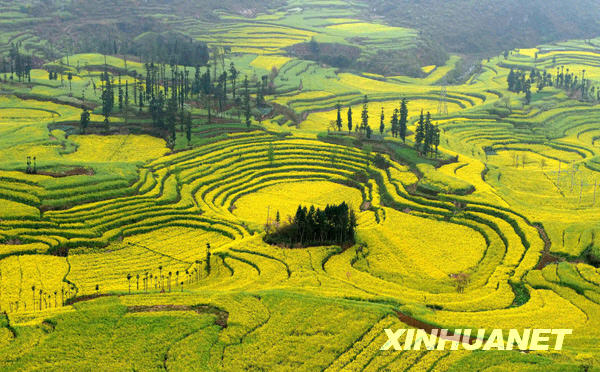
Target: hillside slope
470,26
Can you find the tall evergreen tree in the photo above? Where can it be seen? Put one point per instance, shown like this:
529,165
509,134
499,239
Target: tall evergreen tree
511,80
428,138
188,127
350,119
365,114
339,117
381,123
527,89
120,98
436,139
171,121
207,91
394,123
233,74
420,132
246,101
108,101
271,154
403,121
84,120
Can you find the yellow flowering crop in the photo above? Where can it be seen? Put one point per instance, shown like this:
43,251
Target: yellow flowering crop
117,148
268,62
21,273
286,197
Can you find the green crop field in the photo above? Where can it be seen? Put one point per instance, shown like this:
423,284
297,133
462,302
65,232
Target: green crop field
144,171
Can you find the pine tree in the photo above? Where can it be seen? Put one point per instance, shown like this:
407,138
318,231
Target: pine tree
420,132
527,89
108,100
271,154
246,101
382,124
85,120
188,126
126,101
171,121
365,114
403,121
349,119
120,98
141,100
511,80
339,117
428,140
394,123
436,139
233,74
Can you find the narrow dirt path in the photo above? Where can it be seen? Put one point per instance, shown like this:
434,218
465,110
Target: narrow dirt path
546,258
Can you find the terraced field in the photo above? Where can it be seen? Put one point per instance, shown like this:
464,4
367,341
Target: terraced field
122,251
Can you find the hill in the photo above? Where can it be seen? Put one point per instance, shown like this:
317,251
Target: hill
471,26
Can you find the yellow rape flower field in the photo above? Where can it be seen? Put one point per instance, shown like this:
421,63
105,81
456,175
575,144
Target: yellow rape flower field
24,277
286,197
320,121
364,27
117,148
428,69
159,247
268,62
425,248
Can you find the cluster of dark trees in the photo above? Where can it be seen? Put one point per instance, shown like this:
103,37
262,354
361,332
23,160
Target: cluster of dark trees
168,48
518,82
399,120
332,54
31,165
18,64
166,89
427,136
312,226
521,82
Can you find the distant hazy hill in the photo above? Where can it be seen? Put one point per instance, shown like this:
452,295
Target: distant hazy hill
483,26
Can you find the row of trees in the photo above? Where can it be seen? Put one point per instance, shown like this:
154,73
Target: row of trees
312,226
148,278
398,121
18,64
427,136
42,300
522,81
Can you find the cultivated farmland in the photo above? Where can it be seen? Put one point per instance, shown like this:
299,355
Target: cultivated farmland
137,195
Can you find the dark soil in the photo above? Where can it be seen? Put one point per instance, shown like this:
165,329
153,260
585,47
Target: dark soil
75,171
547,258
221,320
